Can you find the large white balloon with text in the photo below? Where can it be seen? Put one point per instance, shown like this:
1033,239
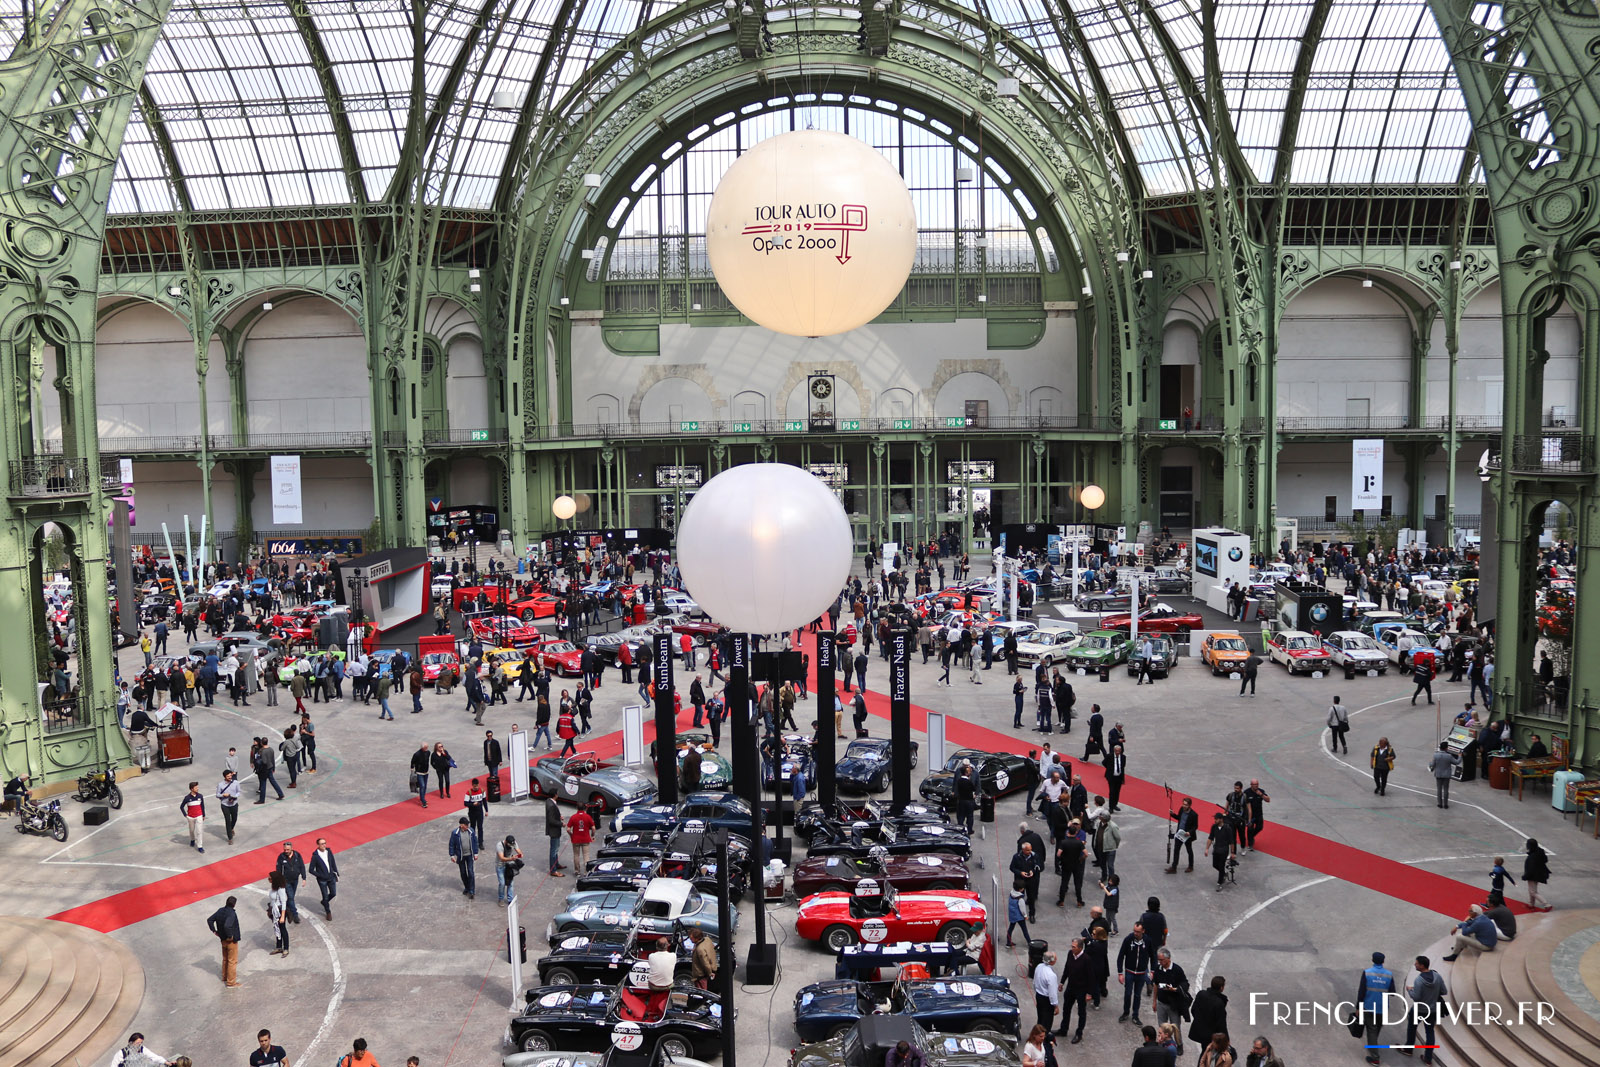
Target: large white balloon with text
811,233
764,547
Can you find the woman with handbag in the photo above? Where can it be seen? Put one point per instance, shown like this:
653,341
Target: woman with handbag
1382,764
442,765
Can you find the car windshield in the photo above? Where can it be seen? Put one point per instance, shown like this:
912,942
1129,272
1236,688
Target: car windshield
439,657
861,750
1231,644
1299,644
954,762
560,646
1359,641
1094,642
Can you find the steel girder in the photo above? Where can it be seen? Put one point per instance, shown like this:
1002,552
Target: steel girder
68,92
1529,72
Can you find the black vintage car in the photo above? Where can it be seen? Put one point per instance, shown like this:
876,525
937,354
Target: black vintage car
696,813
861,837
865,765
679,854
868,1043
609,957
999,773
843,814
978,1002
587,1018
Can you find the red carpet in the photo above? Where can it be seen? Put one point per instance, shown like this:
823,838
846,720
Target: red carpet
1378,873
1423,888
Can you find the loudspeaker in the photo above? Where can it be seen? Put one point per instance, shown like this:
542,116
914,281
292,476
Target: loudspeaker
761,966
96,816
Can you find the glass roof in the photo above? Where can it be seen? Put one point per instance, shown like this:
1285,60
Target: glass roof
250,125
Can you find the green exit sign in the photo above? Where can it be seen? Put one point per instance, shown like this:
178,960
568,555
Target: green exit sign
850,424
741,427
902,424
480,435
793,425
955,422
1167,424
688,427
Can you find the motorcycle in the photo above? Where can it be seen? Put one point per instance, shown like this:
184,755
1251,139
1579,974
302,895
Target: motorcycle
35,818
100,785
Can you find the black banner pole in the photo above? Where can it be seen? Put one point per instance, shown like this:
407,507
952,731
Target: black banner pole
666,723
900,716
725,952
827,777
746,760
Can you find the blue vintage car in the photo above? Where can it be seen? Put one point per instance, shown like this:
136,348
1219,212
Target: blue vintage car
865,766
697,812
664,903
954,1005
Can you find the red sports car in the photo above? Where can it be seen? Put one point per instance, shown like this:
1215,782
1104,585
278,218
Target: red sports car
1163,619
538,606
823,874
434,662
876,913
297,625
562,657
504,631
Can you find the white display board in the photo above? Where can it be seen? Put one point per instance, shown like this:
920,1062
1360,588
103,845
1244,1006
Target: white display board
887,555
936,754
518,757
1366,475
633,734
286,506
513,941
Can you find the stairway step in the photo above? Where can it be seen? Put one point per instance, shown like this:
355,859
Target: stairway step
24,965
1512,987
76,1001
1542,980
101,1028
1460,1046
60,972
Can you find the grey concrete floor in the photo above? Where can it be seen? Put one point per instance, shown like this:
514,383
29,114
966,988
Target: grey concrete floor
417,970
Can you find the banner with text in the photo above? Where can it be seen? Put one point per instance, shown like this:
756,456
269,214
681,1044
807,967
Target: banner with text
1366,483
286,509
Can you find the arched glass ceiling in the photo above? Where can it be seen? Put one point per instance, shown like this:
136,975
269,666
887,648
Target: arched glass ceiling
958,202
250,124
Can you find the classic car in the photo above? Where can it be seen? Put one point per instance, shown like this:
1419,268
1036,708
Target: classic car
640,639
692,857
865,765
1356,649
607,956
859,838
1398,643
1105,599
586,779
1166,580
658,844
869,1041
682,1022
1099,648
561,657
537,606
434,662
507,661
953,1005
999,773
875,912
845,814
1163,619
701,630
1373,621
794,754
611,1057
506,631
1047,646
715,770
679,603
297,625
1163,654
697,812
1297,650
662,903
1224,651
822,874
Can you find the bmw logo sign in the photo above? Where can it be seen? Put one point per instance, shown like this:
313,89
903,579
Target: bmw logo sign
1319,612
1236,553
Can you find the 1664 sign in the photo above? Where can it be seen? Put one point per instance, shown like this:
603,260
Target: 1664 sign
811,233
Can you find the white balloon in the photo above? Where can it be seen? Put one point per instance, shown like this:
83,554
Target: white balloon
764,547
811,233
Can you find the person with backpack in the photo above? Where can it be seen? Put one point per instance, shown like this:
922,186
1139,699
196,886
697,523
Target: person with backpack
358,1056
290,747
265,765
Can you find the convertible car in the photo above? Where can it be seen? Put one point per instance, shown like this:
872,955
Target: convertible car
794,754
870,1040
897,839
698,811
865,765
953,1005
683,1022
844,814
875,912
607,956
999,773
586,779
663,904
504,631
1161,619
692,857
823,874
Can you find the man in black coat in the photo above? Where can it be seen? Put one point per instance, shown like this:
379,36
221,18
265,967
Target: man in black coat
1172,993
293,868
492,757
1154,923
1134,962
697,699
224,922
966,795
1080,978
1149,1054
1116,774
324,867
1210,1012
1070,852
1031,836
1096,741
1026,866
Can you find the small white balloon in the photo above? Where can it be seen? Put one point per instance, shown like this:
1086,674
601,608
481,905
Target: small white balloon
764,547
811,233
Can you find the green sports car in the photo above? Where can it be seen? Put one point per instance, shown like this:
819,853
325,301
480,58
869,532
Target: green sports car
1099,648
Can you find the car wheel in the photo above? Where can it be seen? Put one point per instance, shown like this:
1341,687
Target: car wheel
600,799
574,928
986,1023
954,935
940,885
839,938
879,784
527,615
838,1031
560,976
674,1047
834,887
913,759
536,1041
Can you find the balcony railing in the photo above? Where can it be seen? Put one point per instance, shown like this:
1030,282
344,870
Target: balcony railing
1569,452
225,442
919,424
64,713
47,475
1358,423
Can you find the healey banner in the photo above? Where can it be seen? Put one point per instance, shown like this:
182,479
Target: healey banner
1366,484
286,509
